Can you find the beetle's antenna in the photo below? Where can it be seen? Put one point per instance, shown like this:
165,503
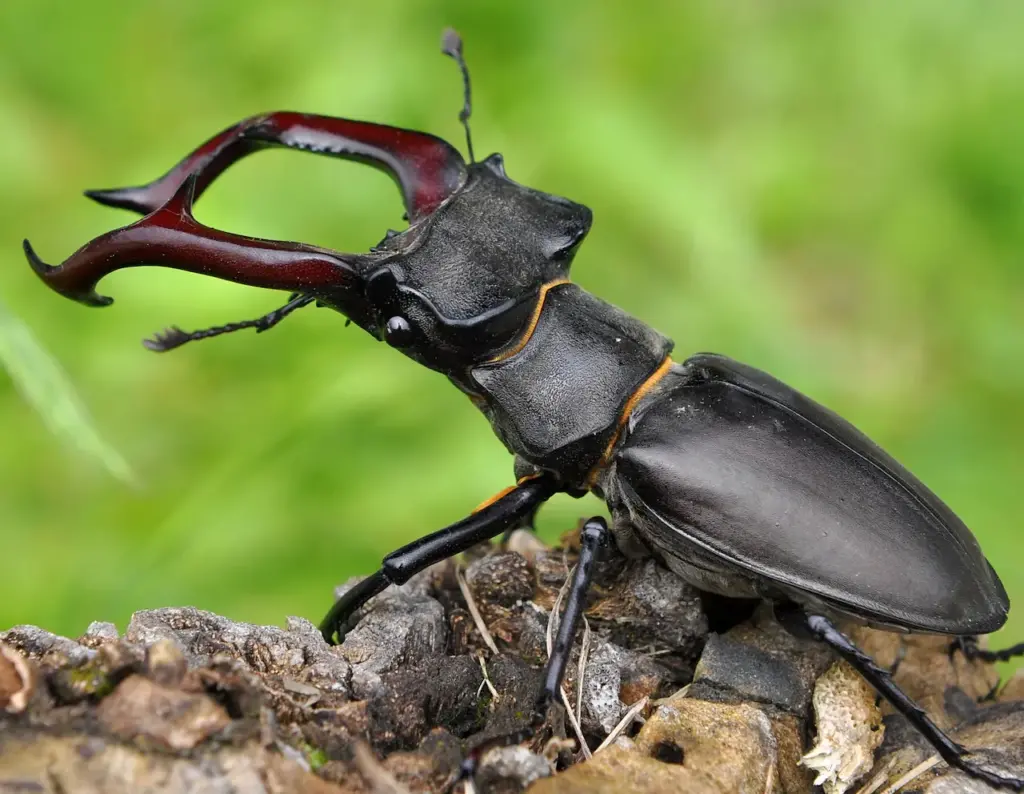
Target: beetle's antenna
451,45
174,337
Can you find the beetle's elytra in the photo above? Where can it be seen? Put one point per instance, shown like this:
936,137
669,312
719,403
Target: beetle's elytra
735,481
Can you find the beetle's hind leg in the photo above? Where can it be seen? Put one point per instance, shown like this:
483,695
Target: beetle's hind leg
971,650
824,630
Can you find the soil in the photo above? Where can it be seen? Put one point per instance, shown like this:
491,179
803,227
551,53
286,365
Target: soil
681,692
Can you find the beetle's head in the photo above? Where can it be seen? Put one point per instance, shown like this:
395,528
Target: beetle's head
455,288
451,290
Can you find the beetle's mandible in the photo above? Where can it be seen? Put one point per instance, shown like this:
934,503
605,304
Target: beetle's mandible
733,480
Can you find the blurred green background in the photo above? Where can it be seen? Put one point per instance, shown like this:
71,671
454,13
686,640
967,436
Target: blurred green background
832,192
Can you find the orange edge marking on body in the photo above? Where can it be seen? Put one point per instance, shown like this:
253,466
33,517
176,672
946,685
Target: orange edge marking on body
627,409
504,492
542,295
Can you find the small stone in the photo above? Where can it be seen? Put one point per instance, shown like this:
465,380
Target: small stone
165,663
17,680
102,630
176,720
502,578
610,672
526,543
849,729
509,770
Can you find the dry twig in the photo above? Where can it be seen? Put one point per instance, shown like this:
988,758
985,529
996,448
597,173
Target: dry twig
625,722
913,774
460,577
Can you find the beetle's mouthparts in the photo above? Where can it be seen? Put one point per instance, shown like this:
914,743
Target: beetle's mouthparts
172,237
427,170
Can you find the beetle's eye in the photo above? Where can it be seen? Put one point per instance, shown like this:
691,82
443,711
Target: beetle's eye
398,332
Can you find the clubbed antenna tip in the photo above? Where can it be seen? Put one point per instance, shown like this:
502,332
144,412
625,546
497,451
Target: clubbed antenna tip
451,45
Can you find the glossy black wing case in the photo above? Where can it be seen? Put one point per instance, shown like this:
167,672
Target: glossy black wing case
732,461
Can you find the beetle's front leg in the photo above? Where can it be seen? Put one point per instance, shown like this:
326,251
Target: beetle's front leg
494,517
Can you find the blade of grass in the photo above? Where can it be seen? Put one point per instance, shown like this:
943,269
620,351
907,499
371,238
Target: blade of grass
45,386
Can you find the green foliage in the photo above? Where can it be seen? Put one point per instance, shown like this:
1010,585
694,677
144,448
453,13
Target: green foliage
833,192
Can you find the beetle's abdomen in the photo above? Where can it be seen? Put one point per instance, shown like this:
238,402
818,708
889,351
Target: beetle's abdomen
556,402
736,463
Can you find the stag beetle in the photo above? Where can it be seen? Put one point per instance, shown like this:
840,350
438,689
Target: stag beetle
733,480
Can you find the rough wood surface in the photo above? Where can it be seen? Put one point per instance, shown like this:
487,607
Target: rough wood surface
726,702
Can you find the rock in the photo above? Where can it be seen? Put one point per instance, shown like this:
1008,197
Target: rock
35,643
996,738
759,661
101,630
437,692
692,746
509,770
517,684
1014,688
614,680
649,607
431,766
639,606
17,680
849,729
398,627
94,677
142,709
165,663
503,579
731,746
298,651
69,765
619,769
188,701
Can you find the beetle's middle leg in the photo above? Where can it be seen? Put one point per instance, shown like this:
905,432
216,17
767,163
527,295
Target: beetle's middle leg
824,630
594,538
